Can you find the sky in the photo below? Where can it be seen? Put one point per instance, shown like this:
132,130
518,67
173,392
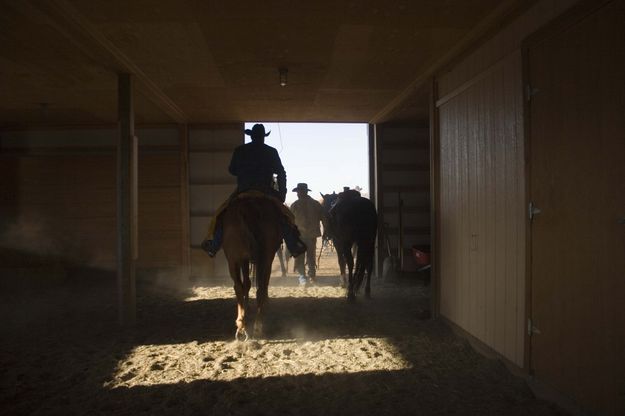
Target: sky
326,156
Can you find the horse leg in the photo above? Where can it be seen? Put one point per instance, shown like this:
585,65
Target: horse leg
342,268
343,278
235,273
368,266
349,259
367,272
247,283
263,272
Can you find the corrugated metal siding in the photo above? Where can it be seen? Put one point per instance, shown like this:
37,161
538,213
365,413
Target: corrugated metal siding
404,172
482,210
62,196
210,151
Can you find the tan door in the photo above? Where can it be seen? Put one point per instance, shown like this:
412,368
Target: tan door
577,180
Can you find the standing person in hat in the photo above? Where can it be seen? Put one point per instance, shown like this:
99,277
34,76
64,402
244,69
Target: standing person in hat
308,213
254,165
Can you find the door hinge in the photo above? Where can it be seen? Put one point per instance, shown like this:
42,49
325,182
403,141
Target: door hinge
530,92
531,329
532,210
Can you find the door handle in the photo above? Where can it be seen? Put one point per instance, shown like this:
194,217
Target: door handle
532,210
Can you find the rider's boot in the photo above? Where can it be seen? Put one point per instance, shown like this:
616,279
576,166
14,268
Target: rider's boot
211,247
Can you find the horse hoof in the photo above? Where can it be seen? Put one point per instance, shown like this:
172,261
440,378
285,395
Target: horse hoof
241,335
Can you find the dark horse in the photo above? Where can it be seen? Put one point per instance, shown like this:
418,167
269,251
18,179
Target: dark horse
328,202
252,234
353,219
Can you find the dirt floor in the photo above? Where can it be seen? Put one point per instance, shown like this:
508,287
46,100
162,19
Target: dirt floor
61,352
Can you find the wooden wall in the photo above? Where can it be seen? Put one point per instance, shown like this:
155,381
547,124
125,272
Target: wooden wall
59,192
482,222
576,132
482,188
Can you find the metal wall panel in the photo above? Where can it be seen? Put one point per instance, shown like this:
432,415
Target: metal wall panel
210,151
403,164
61,192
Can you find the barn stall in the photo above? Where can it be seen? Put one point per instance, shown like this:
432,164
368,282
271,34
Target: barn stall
87,242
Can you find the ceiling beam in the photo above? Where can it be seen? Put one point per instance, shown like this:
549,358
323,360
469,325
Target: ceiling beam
82,33
505,11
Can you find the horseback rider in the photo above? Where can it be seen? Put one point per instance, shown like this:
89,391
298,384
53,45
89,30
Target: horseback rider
254,165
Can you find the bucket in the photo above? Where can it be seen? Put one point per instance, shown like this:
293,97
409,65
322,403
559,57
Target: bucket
421,257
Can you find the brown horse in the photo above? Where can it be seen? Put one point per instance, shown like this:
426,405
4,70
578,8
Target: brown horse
252,234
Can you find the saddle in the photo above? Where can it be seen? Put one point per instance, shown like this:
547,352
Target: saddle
258,194
286,213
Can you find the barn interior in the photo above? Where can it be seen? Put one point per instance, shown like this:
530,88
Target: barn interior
495,128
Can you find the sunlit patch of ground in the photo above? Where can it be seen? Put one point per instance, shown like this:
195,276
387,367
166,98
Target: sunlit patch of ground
224,292
222,361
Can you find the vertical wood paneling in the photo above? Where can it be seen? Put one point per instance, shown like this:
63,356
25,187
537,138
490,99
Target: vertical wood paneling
482,222
577,136
463,187
517,208
483,189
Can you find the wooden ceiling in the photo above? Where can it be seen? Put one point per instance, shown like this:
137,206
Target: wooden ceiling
201,61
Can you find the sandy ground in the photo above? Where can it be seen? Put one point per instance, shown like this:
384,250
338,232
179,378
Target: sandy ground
62,353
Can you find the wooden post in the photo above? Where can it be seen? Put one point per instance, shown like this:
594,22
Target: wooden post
126,203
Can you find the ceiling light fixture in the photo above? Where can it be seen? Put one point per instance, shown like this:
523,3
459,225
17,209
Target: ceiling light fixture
283,72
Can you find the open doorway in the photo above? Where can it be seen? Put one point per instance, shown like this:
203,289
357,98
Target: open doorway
327,157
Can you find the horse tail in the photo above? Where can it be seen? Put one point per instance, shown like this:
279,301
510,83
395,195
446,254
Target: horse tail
364,261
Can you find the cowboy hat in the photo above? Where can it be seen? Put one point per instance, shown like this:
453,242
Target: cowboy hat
301,187
257,131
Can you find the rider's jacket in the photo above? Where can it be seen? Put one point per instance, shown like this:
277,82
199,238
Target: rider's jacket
254,165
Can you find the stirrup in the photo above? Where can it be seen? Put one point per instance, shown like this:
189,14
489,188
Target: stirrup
207,246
